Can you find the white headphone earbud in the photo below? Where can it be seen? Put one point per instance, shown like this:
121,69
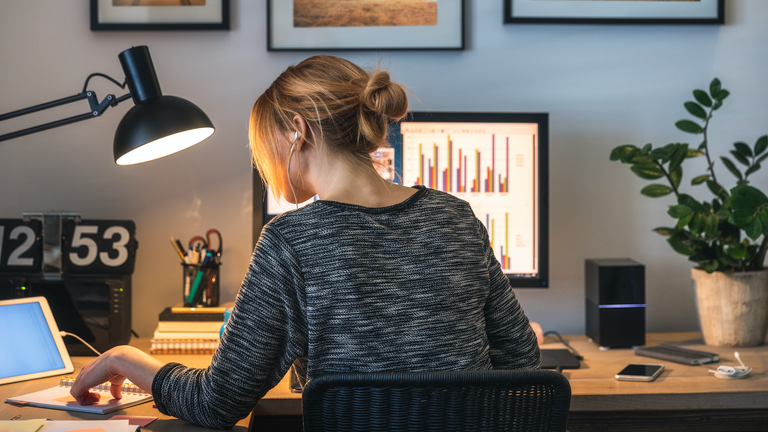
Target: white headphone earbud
293,144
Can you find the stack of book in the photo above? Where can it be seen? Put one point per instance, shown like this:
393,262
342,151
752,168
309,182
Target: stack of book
183,330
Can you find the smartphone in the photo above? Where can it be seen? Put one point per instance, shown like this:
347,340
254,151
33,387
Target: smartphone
640,372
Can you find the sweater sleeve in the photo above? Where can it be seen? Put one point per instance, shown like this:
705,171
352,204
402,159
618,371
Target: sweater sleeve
266,332
512,340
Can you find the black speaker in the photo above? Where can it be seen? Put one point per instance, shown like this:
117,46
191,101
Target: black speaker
615,300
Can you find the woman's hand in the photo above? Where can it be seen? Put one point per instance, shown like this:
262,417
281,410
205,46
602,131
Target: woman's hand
114,366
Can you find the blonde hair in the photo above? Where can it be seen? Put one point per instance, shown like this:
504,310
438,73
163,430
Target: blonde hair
345,107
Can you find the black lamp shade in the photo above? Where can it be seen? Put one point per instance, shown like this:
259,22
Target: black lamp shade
158,127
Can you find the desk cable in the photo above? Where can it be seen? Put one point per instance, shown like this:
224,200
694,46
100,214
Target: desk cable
63,333
578,356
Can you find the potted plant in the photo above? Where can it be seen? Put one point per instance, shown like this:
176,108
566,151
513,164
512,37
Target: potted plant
723,235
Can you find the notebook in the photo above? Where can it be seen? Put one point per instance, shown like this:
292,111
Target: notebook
59,398
34,348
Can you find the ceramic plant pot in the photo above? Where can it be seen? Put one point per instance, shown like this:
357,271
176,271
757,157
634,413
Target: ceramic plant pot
733,308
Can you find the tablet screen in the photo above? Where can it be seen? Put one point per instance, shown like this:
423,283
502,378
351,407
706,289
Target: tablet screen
30,349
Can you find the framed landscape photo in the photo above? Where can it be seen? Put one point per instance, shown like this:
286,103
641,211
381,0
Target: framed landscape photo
294,25
615,11
159,14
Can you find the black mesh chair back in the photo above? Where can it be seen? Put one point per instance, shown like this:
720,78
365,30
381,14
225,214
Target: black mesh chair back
523,401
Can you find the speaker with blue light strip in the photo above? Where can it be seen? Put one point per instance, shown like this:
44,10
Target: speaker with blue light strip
615,300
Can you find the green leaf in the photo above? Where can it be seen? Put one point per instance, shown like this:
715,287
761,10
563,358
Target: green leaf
699,179
692,153
697,223
716,189
679,211
620,152
703,255
665,231
656,190
710,226
695,110
689,201
731,167
761,144
660,153
709,266
677,244
703,145
723,94
685,220
680,153
741,218
743,149
739,251
752,169
762,158
717,105
642,159
702,97
763,215
677,176
714,88
739,157
646,149
648,171
689,126
755,229
747,198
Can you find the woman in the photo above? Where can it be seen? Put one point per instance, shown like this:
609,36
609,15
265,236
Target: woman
372,277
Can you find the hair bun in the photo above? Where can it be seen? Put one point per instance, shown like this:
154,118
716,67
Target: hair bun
384,97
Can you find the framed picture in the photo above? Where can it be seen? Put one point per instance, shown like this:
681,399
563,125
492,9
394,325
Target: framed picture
294,25
615,11
159,14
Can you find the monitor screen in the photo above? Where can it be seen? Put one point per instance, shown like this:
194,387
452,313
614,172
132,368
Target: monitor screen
497,162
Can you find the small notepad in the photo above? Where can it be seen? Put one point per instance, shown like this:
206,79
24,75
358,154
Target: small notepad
59,398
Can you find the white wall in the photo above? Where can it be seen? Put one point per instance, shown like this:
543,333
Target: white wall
602,85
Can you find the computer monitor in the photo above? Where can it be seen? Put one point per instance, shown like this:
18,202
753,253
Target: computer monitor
497,162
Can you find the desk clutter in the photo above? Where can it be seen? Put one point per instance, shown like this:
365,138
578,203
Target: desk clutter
60,398
114,424
188,330
201,269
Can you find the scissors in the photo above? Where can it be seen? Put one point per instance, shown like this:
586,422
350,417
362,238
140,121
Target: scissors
215,252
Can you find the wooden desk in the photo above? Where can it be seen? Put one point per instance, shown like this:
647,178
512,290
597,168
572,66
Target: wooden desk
683,398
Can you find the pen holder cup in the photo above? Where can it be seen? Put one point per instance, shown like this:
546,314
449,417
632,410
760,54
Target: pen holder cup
201,285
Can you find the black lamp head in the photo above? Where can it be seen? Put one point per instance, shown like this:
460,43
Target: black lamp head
157,125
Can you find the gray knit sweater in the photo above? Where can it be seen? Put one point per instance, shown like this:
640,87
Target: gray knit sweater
340,288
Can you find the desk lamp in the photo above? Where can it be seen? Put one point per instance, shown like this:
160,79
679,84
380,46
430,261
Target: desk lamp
155,127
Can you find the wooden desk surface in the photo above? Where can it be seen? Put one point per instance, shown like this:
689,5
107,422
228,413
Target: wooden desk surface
594,388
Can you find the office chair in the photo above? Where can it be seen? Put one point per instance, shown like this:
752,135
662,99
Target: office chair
437,401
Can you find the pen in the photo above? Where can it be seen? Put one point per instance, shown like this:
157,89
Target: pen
175,243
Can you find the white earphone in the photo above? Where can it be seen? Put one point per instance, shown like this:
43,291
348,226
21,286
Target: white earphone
296,136
730,372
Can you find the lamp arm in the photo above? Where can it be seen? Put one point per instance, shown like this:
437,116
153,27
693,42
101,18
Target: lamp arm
97,108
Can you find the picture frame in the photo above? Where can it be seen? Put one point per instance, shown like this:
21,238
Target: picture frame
143,15
301,25
614,12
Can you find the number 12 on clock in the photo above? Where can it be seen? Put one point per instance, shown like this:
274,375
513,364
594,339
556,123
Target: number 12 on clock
21,246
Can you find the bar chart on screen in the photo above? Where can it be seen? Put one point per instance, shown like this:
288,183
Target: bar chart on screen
490,165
